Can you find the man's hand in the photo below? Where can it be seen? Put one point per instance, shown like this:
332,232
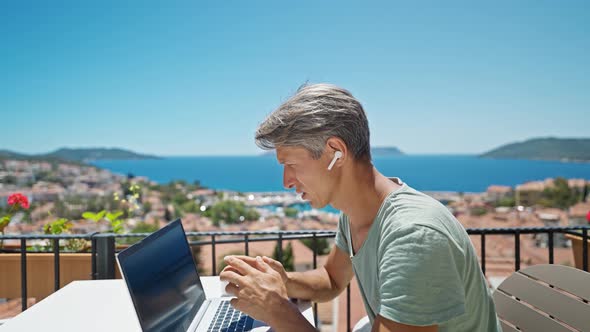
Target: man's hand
259,289
274,264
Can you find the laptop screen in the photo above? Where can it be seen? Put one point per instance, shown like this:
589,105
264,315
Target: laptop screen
162,279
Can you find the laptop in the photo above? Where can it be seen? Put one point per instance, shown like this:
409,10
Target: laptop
166,289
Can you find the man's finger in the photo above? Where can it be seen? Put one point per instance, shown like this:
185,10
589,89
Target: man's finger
271,261
262,266
230,268
231,277
232,289
275,265
247,259
242,267
238,304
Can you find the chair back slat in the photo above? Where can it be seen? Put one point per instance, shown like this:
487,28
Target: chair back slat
507,328
523,317
544,298
571,280
574,312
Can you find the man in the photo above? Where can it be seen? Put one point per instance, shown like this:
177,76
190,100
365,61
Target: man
415,265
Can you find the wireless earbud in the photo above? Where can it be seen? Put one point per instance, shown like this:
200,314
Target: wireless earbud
337,154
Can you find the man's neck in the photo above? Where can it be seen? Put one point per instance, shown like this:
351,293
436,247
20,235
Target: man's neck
361,194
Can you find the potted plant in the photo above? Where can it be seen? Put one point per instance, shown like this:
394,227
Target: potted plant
75,261
16,202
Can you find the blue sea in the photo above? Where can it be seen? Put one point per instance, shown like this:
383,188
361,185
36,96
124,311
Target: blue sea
459,173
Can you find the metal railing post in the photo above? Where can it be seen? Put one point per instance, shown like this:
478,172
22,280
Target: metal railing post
213,259
550,246
105,256
23,273
517,250
585,249
483,253
56,264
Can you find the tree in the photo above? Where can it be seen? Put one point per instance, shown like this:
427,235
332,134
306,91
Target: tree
559,195
230,212
287,257
291,212
141,227
506,201
323,247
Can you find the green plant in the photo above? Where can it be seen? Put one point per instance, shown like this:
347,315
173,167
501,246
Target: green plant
128,205
61,226
17,202
478,211
323,247
230,212
287,258
111,217
291,212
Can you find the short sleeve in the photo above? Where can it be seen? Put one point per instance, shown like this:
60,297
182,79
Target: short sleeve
420,283
341,239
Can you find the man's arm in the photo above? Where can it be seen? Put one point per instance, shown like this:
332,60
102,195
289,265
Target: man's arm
260,293
319,285
324,283
385,325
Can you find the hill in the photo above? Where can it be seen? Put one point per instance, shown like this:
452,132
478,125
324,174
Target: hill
96,154
76,155
565,149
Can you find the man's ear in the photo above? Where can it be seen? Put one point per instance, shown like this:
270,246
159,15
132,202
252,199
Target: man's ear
336,150
334,144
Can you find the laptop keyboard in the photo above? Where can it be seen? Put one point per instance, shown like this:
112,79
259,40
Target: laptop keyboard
228,319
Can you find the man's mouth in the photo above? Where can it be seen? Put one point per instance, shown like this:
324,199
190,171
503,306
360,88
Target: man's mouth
301,195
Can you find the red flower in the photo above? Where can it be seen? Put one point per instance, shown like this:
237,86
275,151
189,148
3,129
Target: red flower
18,199
588,216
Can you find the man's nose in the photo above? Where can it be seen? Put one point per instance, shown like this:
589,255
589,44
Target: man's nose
288,179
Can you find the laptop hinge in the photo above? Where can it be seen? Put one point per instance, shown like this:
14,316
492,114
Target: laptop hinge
202,310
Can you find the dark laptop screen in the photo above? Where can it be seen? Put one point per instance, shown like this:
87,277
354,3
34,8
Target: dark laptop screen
162,279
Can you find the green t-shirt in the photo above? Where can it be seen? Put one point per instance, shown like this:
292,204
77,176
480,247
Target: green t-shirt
417,266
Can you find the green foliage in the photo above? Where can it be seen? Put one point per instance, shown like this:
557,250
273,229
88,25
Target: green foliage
94,216
190,207
323,247
231,212
291,212
9,179
506,201
61,226
58,226
147,207
111,217
478,211
141,227
559,195
287,257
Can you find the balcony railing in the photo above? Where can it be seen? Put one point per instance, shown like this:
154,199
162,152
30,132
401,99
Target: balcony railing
103,248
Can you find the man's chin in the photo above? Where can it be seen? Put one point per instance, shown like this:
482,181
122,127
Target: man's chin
316,205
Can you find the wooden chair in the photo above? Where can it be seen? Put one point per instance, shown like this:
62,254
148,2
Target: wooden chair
544,297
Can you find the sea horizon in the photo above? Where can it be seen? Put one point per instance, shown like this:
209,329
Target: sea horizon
426,172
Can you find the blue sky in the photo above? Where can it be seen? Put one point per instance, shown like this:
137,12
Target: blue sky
196,78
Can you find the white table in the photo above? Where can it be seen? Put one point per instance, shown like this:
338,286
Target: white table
96,305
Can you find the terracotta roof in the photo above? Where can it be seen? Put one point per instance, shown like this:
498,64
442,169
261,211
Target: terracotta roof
580,210
499,189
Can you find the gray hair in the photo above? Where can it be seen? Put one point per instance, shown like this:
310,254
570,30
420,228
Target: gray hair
314,114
